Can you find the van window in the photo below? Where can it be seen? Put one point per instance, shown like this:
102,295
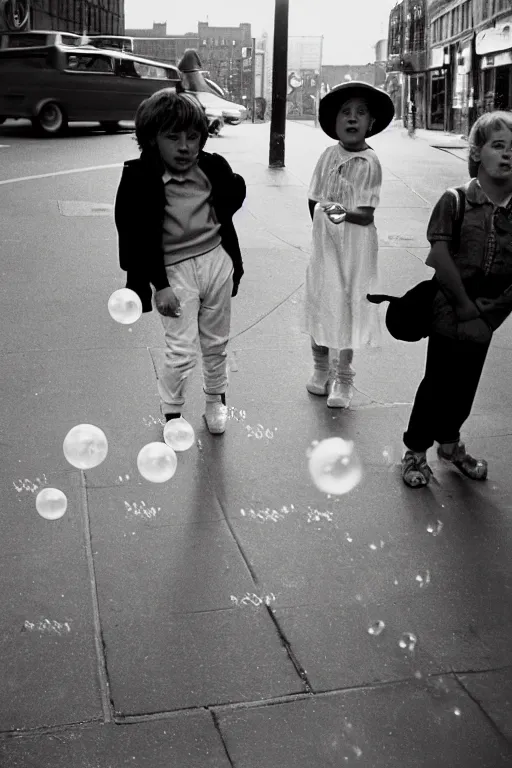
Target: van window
27,40
146,70
87,62
130,68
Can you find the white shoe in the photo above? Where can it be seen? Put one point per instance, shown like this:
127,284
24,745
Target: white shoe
339,394
317,384
216,415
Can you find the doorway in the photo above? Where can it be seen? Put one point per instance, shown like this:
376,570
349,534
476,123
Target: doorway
502,96
437,101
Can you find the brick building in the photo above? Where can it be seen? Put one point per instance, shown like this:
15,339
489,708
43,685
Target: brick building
96,16
470,60
226,53
156,44
406,78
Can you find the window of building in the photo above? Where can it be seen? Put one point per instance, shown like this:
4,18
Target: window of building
444,26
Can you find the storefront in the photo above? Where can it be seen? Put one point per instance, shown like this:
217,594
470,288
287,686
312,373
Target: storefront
494,52
437,90
461,86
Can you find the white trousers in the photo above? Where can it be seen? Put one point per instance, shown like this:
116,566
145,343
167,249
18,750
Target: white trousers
203,285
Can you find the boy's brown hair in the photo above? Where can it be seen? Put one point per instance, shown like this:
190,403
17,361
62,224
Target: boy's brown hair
481,132
166,111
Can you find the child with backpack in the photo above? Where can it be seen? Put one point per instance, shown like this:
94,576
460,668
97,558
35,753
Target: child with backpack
474,298
343,195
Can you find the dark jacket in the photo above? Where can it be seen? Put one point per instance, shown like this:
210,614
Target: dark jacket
139,214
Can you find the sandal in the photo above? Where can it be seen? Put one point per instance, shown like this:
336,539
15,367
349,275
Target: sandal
416,473
476,469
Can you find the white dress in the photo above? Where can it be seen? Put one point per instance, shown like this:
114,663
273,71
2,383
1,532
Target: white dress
343,264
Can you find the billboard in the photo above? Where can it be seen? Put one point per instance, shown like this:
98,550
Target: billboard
304,66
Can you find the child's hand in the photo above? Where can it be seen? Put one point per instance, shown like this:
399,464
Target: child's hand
167,303
335,212
475,330
467,311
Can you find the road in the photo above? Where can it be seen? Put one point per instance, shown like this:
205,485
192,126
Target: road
221,619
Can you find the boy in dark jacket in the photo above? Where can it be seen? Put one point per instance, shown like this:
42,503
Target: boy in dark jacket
173,213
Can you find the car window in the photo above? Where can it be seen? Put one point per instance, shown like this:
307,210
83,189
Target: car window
85,62
148,70
27,40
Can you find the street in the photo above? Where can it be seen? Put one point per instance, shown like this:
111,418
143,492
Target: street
222,618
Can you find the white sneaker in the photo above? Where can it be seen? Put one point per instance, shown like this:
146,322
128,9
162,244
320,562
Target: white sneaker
216,415
339,394
317,384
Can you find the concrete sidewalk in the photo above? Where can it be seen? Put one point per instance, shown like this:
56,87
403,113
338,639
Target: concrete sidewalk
221,619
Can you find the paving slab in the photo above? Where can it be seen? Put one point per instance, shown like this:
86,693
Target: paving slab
407,725
49,392
48,663
189,740
162,663
492,690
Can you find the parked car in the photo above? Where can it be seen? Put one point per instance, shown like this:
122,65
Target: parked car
53,85
37,37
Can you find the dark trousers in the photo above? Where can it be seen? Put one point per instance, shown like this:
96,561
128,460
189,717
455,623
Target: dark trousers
445,397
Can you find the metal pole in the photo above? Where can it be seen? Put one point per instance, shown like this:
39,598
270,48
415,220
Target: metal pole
279,80
253,78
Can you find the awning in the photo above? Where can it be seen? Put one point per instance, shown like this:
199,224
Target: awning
493,39
496,60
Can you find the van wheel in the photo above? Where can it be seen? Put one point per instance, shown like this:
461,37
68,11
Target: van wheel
51,120
110,126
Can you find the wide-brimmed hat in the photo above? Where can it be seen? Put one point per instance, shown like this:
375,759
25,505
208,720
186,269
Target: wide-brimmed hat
379,103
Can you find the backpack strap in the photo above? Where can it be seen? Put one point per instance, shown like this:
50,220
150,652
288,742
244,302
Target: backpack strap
460,208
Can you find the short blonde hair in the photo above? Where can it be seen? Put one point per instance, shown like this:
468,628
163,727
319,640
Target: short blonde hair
481,132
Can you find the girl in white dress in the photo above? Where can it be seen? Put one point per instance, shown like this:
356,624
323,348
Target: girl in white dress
343,195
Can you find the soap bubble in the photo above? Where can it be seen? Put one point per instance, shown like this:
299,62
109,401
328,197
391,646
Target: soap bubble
85,446
376,628
157,462
408,641
51,503
179,434
125,306
334,466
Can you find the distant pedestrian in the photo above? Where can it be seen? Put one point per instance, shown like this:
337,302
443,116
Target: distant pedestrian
173,212
343,195
474,273
411,119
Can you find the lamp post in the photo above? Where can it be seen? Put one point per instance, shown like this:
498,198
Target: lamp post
279,79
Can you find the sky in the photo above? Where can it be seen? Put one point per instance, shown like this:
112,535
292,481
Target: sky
350,27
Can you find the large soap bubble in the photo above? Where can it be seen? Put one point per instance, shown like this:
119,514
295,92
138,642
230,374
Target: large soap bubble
335,466
157,462
125,306
85,446
179,434
51,503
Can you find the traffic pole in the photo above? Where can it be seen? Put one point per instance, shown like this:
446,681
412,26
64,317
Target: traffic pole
279,85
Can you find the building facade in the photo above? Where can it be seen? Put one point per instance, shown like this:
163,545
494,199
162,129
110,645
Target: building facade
227,55
156,44
406,70
470,61
95,16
